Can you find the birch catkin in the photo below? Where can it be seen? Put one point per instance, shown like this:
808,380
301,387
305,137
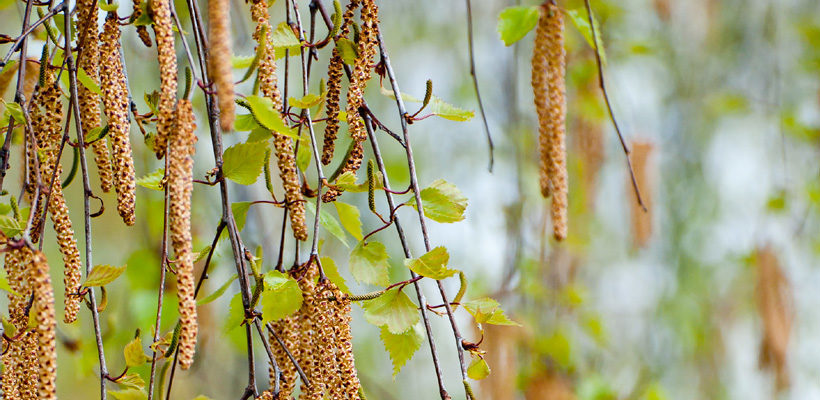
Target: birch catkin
180,188
219,60
45,327
166,54
21,359
285,155
541,98
115,98
287,330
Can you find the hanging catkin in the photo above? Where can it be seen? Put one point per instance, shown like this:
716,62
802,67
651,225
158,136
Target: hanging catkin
180,188
115,98
366,50
20,361
305,353
45,327
89,61
219,60
287,330
334,88
166,54
285,155
340,313
142,31
553,149
541,99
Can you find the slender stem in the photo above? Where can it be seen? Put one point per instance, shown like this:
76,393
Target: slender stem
475,82
87,193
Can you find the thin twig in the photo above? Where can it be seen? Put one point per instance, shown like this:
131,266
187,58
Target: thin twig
475,83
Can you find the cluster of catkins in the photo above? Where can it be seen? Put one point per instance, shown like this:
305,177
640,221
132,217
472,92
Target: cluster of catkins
548,84
319,338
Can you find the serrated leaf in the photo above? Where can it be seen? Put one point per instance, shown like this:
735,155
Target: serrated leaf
332,273
283,36
329,222
240,213
242,162
12,110
368,263
133,381
515,22
129,394
350,218
580,19
281,297
446,110
153,180
401,347
432,265
245,122
10,226
393,310
218,293
307,101
347,50
442,202
268,116
478,369
134,354
102,275
487,310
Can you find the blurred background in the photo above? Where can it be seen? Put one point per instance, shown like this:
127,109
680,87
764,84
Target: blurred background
708,294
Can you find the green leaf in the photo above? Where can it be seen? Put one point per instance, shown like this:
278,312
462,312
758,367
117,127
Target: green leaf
4,283
368,263
242,62
515,22
307,101
266,115
329,223
95,134
102,275
393,309
109,7
401,347
10,226
442,202
332,273
129,394
448,111
133,381
303,156
281,297
202,397
218,293
349,216
580,19
134,354
236,313
12,110
86,81
242,162
347,50
240,213
283,36
246,122
145,16
478,369
432,265
153,180
487,310
259,134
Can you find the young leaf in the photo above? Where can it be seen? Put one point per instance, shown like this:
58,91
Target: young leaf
245,122
442,202
242,163
266,115
281,297
349,216
580,19
303,156
132,381
478,369
242,62
129,394
236,313
332,273
393,310
283,36
218,293
240,213
487,310
153,180
134,355
329,222
89,83
10,226
102,275
515,22
368,263
401,347
96,133
308,101
347,50
432,265
448,111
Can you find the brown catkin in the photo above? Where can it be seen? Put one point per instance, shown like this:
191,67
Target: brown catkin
115,98
344,342
166,54
142,31
219,60
45,327
541,99
180,188
287,331
266,395
285,155
21,365
641,220
557,167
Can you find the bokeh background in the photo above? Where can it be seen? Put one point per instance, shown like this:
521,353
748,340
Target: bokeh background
709,294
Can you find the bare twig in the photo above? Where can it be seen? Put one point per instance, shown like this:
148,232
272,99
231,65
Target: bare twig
475,82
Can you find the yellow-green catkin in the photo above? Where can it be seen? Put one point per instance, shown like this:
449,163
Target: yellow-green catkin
366,50
335,71
180,189
219,60
557,167
285,155
115,98
166,54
